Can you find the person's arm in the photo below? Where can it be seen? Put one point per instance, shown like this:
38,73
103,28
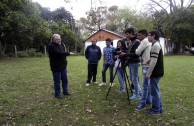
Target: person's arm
140,48
153,57
132,53
103,55
87,52
99,53
55,51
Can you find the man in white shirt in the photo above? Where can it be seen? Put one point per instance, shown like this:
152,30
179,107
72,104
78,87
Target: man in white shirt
143,51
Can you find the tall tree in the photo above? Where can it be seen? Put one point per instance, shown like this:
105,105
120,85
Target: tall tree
180,26
169,6
171,17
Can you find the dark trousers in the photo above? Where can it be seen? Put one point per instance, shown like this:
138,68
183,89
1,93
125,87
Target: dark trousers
57,77
92,72
104,69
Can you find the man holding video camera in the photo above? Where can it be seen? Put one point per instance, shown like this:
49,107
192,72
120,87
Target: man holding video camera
133,61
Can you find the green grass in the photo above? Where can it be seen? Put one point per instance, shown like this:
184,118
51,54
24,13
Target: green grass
26,96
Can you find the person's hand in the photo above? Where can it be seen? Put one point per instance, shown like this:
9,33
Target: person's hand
117,56
147,76
71,53
112,63
122,54
148,62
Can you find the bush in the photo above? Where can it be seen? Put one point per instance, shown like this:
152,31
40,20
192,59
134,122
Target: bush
32,52
22,54
39,54
11,55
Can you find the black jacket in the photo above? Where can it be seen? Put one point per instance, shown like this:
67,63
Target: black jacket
132,57
57,57
93,54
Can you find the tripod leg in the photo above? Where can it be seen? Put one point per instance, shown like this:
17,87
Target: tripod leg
124,75
108,91
130,85
112,81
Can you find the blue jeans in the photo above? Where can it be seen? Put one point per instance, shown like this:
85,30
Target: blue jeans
104,69
155,92
135,78
120,75
146,96
57,77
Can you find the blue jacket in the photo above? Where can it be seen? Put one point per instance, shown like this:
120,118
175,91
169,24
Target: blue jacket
93,54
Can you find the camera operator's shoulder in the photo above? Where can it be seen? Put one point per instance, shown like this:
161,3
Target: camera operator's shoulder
137,40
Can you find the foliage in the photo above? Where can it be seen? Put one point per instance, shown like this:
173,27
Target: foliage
175,20
178,26
29,25
22,54
32,52
26,96
181,25
114,19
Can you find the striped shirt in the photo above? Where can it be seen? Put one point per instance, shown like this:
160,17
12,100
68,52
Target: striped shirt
156,68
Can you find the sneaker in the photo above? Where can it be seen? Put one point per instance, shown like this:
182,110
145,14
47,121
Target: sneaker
111,84
152,112
95,82
122,91
140,107
87,84
102,84
134,97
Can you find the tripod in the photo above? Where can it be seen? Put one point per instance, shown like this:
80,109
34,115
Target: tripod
126,79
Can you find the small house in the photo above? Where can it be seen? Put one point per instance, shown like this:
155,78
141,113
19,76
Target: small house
101,35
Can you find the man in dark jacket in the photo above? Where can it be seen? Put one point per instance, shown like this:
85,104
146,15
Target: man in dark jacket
93,55
58,63
133,62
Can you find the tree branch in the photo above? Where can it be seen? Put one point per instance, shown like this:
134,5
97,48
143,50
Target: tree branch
190,3
159,5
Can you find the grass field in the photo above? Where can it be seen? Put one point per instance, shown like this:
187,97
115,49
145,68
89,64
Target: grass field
26,96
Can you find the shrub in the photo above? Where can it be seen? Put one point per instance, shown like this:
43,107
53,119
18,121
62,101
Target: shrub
32,52
22,54
39,54
11,54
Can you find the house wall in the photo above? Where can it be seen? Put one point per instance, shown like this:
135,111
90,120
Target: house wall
103,35
102,44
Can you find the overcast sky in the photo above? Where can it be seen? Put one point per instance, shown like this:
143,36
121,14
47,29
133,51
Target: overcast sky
79,7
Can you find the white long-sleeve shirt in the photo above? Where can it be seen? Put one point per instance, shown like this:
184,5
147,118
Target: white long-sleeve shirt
144,50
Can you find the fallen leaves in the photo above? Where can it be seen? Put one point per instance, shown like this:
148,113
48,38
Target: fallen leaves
88,110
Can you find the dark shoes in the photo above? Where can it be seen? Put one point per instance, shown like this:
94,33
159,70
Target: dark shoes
58,97
67,93
152,112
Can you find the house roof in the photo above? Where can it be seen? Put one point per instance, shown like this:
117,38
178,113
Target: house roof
108,31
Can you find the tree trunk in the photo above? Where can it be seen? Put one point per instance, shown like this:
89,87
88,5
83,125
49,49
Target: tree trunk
177,47
0,49
3,51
